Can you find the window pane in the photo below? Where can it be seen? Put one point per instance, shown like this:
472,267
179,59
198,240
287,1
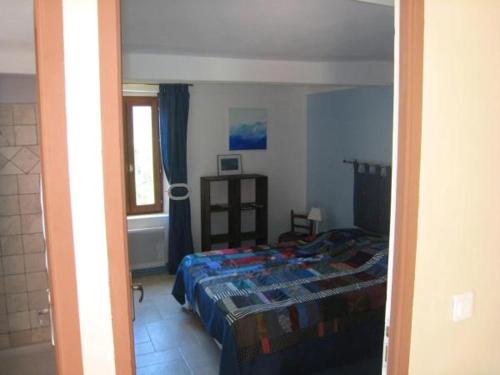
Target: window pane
143,155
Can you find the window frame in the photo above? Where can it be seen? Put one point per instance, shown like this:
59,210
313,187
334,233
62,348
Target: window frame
132,208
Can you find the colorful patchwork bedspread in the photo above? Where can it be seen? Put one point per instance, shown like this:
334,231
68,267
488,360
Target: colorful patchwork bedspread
263,300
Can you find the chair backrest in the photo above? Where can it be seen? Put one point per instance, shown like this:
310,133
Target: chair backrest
304,225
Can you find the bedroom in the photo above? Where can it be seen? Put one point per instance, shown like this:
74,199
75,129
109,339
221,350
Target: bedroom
439,214
314,121
324,100
157,316
446,218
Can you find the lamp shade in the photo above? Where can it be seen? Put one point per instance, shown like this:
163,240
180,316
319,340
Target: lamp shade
315,214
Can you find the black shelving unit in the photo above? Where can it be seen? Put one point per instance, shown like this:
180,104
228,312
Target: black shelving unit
234,207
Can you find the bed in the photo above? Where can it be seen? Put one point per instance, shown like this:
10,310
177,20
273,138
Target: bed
299,307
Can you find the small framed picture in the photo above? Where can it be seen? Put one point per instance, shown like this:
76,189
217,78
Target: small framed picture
229,164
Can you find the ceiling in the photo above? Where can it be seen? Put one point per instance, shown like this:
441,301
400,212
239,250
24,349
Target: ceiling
298,30
302,30
16,24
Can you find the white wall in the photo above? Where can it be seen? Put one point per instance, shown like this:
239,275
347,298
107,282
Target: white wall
17,60
284,162
149,67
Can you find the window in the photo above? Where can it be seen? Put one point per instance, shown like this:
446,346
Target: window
142,155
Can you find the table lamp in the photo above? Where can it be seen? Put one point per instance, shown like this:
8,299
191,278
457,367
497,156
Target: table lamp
315,216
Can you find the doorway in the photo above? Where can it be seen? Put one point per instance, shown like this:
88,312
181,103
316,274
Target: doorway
121,220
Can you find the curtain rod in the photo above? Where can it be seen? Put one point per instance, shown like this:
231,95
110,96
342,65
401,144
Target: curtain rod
345,161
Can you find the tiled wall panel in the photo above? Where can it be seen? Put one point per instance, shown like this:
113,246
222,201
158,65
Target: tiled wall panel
23,271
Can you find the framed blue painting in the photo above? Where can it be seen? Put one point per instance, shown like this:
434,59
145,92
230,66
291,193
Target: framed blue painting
247,129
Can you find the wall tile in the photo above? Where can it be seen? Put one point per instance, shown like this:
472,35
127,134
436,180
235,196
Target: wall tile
7,136
11,245
8,185
25,135
35,149
41,334
28,183
16,302
15,283
38,300
25,160
33,243
36,281
3,159
4,341
36,169
22,247
9,151
21,338
24,114
9,205
35,262
31,223
19,321
10,225
4,323
10,169
6,114
39,320
13,264
30,204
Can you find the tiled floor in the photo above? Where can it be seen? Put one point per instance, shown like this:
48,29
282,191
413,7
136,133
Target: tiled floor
30,360
168,338
172,340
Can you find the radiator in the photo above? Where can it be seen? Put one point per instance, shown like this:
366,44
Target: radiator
147,247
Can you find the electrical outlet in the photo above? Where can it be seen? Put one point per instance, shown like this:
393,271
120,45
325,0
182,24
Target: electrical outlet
462,306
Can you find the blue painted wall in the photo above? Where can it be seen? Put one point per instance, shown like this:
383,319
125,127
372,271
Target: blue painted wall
344,124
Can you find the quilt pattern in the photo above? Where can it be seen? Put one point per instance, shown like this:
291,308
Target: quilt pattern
272,298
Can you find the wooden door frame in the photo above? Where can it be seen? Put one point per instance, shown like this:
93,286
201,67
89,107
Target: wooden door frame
110,58
55,187
50,68
411,28
49,31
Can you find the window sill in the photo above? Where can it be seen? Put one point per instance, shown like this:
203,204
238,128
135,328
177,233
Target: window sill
136,222
147,216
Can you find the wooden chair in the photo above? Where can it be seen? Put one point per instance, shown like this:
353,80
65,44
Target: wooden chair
301,227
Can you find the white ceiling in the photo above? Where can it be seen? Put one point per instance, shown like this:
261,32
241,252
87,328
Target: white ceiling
17,46
16,24
303,30
195,38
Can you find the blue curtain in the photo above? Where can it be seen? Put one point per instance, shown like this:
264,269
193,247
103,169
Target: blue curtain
173,102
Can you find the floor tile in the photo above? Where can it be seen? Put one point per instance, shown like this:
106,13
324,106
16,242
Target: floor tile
170,328
175,367
140,334
157,357
167,306
169,334
146,312
200,353
144,348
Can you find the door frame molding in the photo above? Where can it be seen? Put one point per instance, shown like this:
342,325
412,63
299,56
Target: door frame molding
50,60
114,183
407,185
55,186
